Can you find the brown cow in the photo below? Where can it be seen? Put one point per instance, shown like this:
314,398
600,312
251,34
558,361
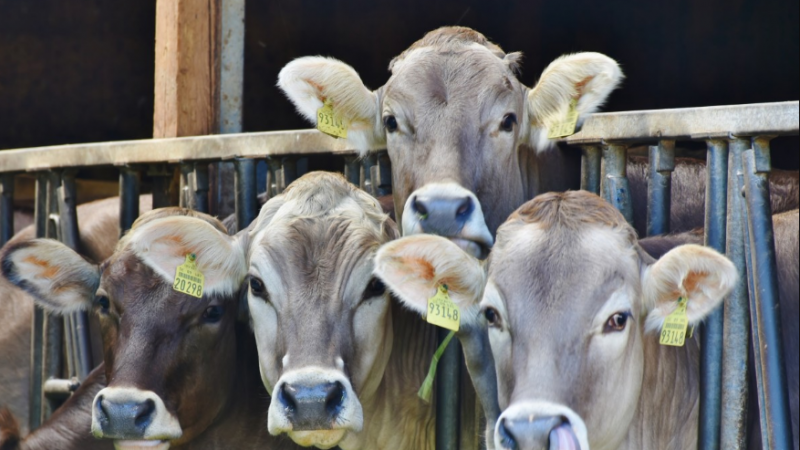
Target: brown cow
181,369
99,233
573,306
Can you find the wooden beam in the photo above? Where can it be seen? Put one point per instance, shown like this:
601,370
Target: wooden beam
187,68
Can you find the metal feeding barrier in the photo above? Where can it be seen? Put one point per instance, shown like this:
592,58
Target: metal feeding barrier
737,222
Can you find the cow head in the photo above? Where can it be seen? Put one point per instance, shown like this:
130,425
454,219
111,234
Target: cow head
163,349
322,322
570,302
457,123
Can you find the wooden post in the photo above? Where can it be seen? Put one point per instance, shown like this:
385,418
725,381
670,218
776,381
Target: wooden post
187,68
187,72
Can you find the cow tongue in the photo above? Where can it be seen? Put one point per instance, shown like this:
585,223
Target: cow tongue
563,438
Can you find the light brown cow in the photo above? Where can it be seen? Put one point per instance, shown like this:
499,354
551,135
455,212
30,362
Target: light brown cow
465,137
574,308
342,361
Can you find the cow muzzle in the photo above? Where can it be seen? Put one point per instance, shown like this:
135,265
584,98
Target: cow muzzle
450,211
134,418
540,426
315,407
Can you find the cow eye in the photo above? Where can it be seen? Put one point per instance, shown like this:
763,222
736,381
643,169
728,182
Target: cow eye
509,120
257,286
103,302
390,123
375,288
213,314
492,316
616,322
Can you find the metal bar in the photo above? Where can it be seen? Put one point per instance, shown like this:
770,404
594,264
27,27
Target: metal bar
162,177
37,326
590,168
79,354
659,187
448,406
711,333
231,79
352,170
288,171
246,201
736,317
185,198
128,198
52,325
715,122
614,173
382,175
200,187
61,388
646,126
366,173
765,277
6,207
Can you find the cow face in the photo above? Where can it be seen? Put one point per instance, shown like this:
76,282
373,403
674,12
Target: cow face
322,322
457,124
569,301
163,349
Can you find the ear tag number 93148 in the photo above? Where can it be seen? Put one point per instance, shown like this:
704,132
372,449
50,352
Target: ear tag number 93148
329,123
674,330
442,311
188,278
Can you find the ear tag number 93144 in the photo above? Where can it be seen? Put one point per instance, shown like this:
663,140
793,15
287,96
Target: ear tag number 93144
674,330
442,311
188,278
329,123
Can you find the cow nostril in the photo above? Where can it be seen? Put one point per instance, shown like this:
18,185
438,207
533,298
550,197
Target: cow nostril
465,208
419,207
334,400
286,395
144,413
507,439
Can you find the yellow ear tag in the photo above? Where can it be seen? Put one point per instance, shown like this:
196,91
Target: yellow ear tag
188,278
442,311
328,123
567,126
674,330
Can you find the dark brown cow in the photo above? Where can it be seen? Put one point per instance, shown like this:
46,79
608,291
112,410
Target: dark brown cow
182,370
99,233
573,303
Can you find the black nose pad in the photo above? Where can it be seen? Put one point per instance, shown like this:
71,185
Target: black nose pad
444,216
127,420
542,433
312,407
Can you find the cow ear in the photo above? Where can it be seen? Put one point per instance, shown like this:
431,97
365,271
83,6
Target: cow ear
698,274
587,78
312,80
58,278
414,267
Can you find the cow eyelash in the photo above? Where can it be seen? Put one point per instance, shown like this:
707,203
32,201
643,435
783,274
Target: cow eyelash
257,287
616,322
375,288
492,317
103,302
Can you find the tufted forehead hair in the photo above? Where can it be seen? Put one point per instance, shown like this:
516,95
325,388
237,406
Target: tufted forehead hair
446,39
324,194
571,210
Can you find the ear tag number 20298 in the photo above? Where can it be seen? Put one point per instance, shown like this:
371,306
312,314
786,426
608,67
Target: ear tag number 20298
188,278
329,123
674,330
442,311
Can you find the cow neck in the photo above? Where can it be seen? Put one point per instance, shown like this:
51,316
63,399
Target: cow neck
669,402
69,426
395,418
